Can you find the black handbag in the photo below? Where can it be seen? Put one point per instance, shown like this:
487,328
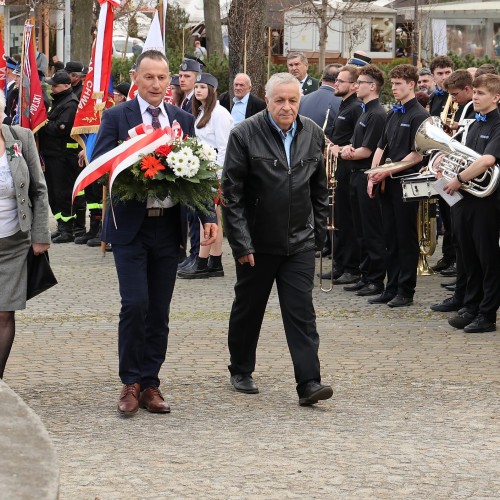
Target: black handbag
40,275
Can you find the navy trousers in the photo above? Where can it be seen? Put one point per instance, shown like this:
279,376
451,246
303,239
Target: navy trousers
146,269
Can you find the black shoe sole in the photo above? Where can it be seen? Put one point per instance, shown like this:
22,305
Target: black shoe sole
246,391
319,395
192,276
216,274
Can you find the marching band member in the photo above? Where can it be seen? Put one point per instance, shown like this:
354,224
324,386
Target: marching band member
476,221
346,251
366,213
399,218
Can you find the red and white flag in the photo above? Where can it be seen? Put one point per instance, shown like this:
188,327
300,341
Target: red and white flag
33,114
3,63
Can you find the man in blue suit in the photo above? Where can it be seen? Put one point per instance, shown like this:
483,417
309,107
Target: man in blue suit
145,243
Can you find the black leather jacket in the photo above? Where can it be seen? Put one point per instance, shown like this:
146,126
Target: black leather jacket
270,207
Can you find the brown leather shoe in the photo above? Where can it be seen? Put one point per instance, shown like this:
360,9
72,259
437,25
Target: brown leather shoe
129,399
152,400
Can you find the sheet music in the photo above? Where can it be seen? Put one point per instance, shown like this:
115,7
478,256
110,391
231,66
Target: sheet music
451,199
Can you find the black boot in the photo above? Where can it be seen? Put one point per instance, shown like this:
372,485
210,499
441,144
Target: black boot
95,241
57,232
66,235
197,271
79,228
214,267
94,230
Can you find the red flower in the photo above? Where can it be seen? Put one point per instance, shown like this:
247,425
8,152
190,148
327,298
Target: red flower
163,150
151,166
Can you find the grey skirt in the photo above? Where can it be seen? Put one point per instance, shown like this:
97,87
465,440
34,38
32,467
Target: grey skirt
13,274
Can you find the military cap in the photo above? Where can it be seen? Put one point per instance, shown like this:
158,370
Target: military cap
208,79
359,59
74,67
175,80
123,88
190,65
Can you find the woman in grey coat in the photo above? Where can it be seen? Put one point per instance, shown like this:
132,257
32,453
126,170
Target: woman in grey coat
24,222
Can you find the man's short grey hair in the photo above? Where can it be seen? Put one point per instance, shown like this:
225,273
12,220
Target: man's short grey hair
295,54
248,79
280,79
2,102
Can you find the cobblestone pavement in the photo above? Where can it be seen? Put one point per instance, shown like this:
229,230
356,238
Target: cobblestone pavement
415,412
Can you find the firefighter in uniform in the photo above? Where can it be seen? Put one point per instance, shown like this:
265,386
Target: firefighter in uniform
60,154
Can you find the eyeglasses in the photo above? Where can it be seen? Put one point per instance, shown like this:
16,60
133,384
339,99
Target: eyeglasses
359,82
338,80
454,94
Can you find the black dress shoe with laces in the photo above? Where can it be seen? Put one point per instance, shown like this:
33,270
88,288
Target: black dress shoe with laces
449,271
400,301
480,325
461,320
347,279
370,289
383,298
449,304
312,392
357,286
440,265
244,383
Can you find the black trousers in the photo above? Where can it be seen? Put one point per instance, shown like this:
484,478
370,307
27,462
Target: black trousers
294,277
448,247
345,247
400,229
477,230
367,220
60,174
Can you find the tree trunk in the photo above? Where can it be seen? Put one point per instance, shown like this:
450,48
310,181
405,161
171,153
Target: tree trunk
323,34
247,42
213,27
82,20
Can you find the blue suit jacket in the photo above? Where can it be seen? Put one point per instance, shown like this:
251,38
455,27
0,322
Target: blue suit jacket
316,104
116,122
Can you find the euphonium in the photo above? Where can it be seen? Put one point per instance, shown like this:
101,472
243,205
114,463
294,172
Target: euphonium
432,139
427,234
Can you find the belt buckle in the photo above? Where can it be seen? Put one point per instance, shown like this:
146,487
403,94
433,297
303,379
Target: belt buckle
155,212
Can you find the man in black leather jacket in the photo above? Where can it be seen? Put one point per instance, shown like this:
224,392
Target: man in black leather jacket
274,185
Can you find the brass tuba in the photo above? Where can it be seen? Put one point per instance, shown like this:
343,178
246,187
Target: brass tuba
427,234
432,139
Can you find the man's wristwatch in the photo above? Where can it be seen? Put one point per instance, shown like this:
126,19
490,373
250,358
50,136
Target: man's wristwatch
459,179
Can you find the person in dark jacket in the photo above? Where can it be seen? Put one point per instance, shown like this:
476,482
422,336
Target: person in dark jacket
60,154
274,184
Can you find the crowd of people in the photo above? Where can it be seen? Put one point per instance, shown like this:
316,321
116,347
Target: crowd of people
275,201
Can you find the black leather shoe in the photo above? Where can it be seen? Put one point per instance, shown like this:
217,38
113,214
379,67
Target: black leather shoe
328,274
480,325
449,271
449,304
441,264
383,298
244,383
450,283
189,261
400,301
347,279
198,270
357,286
370,289
450,288
461,320
312,392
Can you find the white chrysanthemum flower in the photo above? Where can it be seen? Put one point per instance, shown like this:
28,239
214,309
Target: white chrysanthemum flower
207,153
193,166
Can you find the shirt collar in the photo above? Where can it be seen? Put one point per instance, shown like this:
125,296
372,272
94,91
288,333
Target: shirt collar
305,78
244,100
291,131
144,105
